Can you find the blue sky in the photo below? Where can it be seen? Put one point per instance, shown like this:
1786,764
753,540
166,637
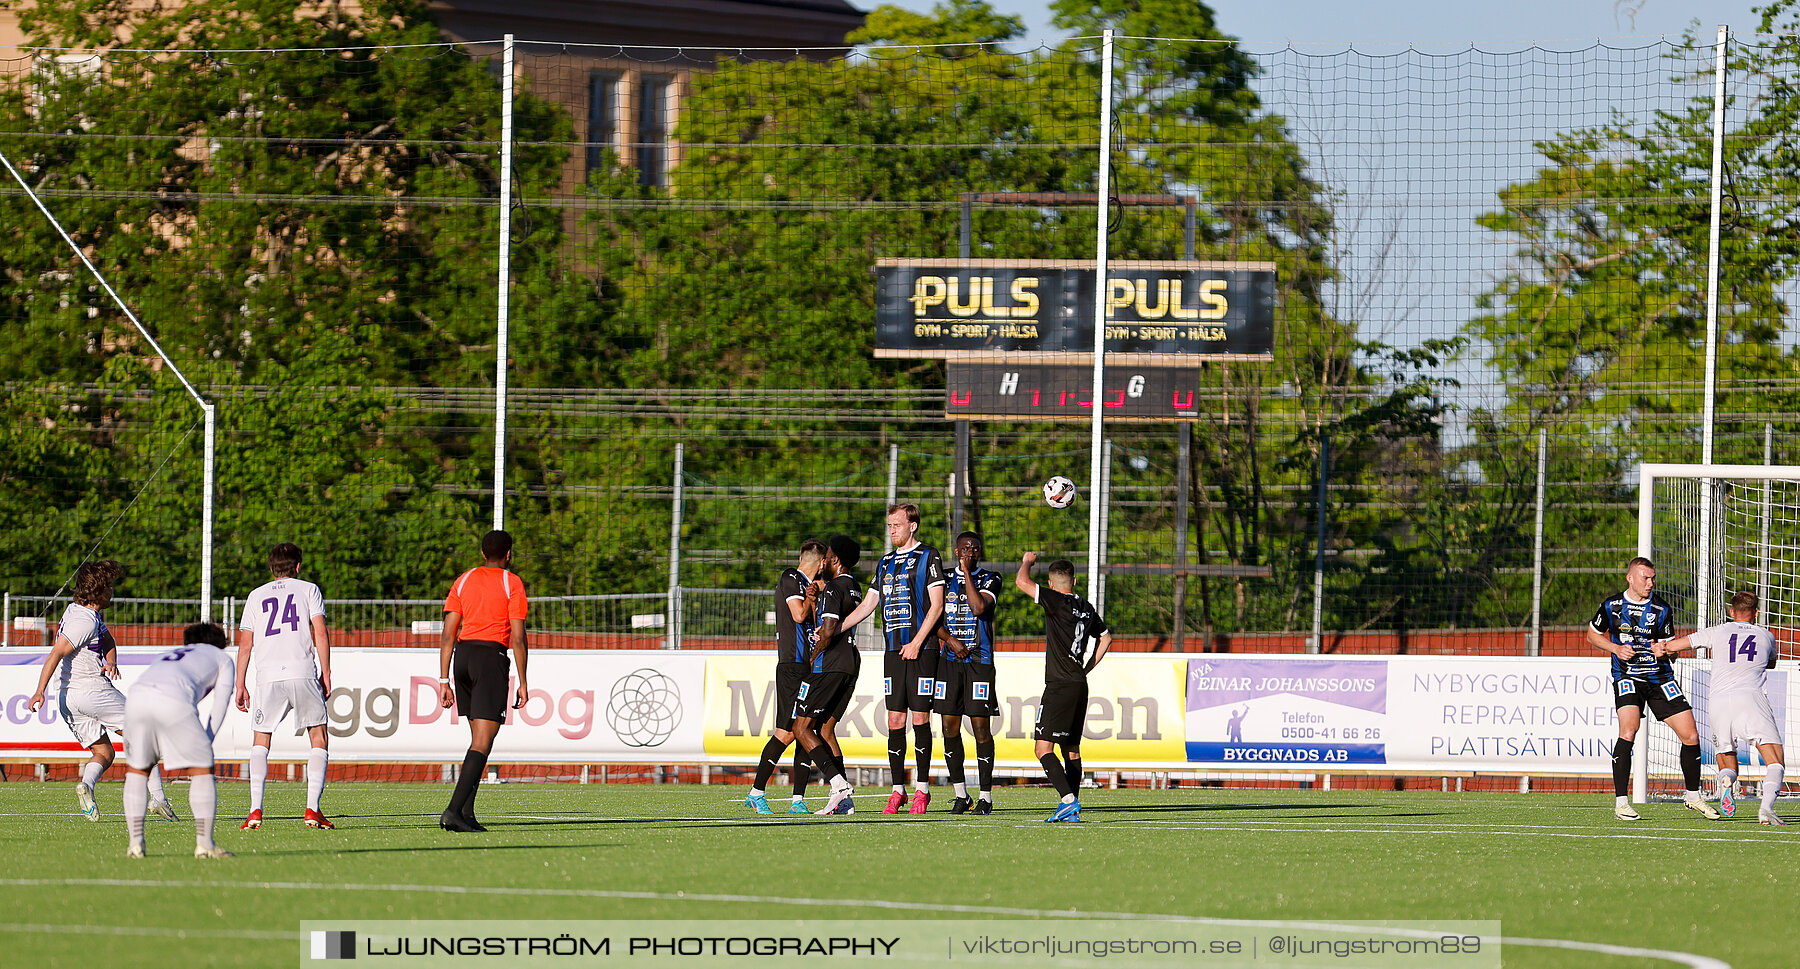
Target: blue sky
1430,23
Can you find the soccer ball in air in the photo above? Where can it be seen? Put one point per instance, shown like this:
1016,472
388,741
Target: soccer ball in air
1059,492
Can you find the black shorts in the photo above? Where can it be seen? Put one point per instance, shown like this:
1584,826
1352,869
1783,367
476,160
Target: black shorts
825,696
788,677
1665,699
952,683
1062,713
910,684
978,696
479,670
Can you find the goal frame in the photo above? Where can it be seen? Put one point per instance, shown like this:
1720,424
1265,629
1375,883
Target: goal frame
1649,474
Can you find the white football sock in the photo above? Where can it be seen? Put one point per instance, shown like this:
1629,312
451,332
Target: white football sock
137,804
840,783
756,792
987,795
1771,786
259,775
899,788
1727,777
316,762
1068,799
90,774
203,800
962,790
798,798
154,780
921,785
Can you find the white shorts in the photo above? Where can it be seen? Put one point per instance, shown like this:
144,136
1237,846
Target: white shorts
1742,717
272,702
159,727
91,713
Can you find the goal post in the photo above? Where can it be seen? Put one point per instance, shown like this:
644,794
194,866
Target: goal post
1713,530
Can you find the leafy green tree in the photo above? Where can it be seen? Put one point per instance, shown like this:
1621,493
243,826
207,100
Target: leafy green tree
299,230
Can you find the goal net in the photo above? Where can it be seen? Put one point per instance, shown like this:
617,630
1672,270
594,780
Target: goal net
1714,530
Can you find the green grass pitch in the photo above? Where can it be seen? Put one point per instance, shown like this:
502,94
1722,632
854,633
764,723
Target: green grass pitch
1550,866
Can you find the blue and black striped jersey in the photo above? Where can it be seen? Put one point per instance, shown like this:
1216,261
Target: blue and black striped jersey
903,579
792,638
975,631
1639,625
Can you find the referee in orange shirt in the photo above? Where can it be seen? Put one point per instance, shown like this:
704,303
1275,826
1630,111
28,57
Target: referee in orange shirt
486,607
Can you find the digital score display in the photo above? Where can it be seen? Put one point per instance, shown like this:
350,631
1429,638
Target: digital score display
1064,393
975,308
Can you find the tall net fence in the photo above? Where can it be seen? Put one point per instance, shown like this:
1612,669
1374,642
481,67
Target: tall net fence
1462,250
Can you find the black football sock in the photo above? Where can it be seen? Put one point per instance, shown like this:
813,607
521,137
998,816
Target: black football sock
826,761
984,763
922,754
765,768
1690,765
953,759
897,755
474,762
1621,767
802,771
1072,768
1053,769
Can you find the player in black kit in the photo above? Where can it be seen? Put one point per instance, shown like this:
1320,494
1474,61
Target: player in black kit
835,663
796,614
1071,623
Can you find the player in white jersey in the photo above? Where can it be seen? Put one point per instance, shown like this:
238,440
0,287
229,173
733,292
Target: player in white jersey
84,660
162,723
284,623
1742,653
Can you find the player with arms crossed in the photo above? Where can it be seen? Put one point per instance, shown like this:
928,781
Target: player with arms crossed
284,623
162,723
84,659
1742,652
796,602
965,686
1629,626
909,589
1070,624
831,678
484,614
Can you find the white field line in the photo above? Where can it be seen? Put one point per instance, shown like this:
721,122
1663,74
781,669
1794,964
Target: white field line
1680,958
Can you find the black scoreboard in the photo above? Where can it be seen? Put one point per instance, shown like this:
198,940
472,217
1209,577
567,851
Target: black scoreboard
1177,312
1047,392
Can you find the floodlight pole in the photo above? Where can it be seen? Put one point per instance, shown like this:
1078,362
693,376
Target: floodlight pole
206,500
501,341
1097,444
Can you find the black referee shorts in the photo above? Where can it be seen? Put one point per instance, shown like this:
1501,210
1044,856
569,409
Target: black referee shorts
479,670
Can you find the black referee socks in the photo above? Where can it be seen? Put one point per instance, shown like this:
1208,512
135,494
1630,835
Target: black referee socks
1622,767
473,765
922,753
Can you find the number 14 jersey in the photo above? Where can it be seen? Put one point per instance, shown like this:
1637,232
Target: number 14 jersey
279,616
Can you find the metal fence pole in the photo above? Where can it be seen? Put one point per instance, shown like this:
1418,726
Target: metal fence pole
1762,557
1097,578
893,494
1317,643
1096,464
505,258
673,638
1537,552
1704,586
1184,471
6,620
